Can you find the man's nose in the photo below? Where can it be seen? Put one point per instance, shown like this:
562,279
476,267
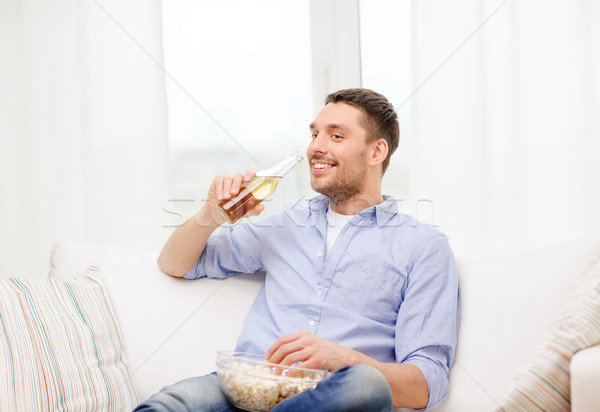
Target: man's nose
318,145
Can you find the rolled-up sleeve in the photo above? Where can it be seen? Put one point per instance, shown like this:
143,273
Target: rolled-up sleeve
428,319
231,250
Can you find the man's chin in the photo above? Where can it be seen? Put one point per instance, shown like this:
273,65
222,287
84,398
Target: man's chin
322,189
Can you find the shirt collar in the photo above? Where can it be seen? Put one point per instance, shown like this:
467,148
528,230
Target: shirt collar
317,204
382,212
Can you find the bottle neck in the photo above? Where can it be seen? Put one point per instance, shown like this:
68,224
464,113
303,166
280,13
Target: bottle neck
283,167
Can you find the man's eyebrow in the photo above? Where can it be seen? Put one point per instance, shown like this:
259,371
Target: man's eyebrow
330,126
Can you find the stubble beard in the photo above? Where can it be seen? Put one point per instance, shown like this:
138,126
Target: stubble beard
346,184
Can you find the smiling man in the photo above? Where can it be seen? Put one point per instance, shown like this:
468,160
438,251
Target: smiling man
352,286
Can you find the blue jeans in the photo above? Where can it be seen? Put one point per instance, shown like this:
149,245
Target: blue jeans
354,388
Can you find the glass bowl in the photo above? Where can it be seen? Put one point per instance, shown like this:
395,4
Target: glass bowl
252,384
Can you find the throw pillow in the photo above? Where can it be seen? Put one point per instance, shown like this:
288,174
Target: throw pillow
544,383
61,347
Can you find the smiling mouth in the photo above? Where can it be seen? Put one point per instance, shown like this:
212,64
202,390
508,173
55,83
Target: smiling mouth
319,167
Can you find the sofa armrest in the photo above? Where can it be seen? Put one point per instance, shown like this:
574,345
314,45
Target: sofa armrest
585,380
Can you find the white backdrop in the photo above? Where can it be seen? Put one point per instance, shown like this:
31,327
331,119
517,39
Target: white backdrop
506,127
503,145
83,149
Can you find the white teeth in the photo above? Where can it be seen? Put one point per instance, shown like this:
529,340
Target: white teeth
322,165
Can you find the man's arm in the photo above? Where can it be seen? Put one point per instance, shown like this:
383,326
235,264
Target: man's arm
407,383
187,242
427,322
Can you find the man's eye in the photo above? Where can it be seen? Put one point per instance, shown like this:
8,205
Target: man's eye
313,136
336,136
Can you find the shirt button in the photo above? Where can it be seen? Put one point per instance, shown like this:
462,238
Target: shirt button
319,254
311,323
319,292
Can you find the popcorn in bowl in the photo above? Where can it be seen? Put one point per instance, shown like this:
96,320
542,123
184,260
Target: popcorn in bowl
252,384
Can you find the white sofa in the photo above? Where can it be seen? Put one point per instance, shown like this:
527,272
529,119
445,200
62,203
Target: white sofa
172,328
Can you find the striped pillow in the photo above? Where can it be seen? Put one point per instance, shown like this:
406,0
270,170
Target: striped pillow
61,347
544,382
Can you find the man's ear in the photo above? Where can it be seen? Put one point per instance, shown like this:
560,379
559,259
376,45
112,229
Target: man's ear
379,151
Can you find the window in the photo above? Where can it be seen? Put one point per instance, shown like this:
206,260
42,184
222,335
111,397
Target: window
241,90
238,90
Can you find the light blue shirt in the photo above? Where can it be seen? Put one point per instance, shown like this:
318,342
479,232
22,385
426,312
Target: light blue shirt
388,287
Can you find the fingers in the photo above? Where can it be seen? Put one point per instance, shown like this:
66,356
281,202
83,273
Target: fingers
257,210
275,346
306,350
217,188
249,175
302,355
280,351
227,186
234,187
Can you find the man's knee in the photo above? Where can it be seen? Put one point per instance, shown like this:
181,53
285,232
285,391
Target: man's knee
368,380
170,398
360,388
200,393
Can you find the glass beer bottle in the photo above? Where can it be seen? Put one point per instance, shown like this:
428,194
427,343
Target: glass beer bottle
256,190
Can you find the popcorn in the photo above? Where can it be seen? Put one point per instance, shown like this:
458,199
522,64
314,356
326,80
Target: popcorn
257,388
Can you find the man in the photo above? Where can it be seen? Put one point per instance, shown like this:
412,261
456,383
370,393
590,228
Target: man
352,286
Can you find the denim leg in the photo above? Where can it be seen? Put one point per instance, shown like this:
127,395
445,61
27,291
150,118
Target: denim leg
197,394
357,388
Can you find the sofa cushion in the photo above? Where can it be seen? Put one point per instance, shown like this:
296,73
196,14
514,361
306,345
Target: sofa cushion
544,382
61,347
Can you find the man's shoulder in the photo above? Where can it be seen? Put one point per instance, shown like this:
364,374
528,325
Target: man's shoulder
409,225
416,238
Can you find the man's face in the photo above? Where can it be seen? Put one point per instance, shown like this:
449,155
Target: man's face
337,154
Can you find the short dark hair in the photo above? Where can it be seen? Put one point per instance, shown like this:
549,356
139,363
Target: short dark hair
380,120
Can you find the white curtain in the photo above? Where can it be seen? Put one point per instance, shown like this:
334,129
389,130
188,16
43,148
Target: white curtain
506,124
83,149
504,148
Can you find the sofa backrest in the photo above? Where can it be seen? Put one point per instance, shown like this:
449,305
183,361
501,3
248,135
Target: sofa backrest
507,303
172,328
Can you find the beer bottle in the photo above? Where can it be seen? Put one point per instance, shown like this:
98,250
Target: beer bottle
256,190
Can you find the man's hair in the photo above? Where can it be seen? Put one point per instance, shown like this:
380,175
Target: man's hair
380,118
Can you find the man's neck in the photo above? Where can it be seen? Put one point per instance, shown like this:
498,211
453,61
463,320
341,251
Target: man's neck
354,204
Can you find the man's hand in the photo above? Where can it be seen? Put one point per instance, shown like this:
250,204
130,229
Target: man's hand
186,244
312,351
225,187
407,383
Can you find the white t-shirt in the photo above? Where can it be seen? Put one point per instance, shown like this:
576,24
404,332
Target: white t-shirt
335,224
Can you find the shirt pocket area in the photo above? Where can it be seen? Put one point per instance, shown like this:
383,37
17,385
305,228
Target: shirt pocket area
372,289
